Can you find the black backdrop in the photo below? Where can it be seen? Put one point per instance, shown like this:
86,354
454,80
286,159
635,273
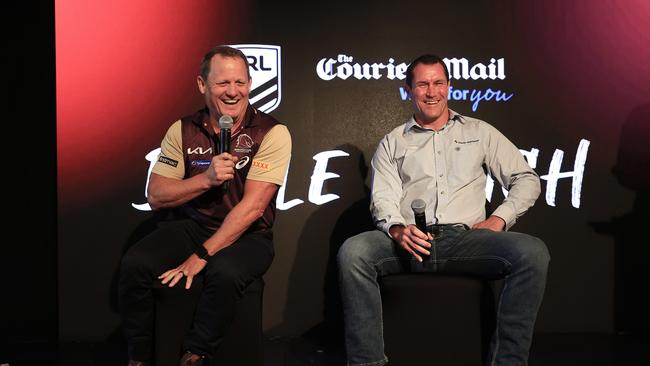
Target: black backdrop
29,250
573,72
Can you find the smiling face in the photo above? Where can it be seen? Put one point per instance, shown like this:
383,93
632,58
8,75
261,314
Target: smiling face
429,89
226,88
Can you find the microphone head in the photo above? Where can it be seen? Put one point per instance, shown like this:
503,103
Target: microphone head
225,122
418,206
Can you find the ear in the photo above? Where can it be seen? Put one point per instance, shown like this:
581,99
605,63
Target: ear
201,84
409,91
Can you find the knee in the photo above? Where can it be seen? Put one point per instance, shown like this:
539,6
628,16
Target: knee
535,254
359,253
133,261
351,252
225,275
346,254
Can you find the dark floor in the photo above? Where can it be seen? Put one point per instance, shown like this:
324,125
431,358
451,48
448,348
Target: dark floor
547,350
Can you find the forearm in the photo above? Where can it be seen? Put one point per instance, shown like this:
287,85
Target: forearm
386,216
523,193
166,192
238,220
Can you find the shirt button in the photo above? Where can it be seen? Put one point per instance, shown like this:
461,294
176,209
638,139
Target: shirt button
439,153
440,175
442,192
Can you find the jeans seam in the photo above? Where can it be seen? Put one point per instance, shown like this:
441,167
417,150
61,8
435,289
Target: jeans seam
384,260
496,325
435,252
480,257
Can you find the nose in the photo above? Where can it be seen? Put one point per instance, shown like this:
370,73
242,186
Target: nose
430,90
231,90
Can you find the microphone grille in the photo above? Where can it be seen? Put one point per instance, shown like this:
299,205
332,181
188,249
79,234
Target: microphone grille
418,205
225,122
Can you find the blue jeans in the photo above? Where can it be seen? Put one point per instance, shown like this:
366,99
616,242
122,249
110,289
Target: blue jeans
520,259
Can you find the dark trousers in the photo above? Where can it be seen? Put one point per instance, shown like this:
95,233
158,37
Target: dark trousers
225,277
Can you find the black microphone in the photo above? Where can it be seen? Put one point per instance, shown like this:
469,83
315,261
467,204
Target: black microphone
225,124
418,207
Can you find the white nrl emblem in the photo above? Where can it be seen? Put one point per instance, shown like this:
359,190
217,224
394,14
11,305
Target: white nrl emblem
264,62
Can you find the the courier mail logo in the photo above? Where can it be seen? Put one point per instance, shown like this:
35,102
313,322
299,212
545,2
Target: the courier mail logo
264,62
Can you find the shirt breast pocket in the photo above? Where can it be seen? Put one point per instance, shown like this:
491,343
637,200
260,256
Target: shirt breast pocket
465,163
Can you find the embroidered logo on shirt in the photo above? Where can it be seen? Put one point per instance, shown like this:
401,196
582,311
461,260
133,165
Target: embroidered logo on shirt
199,150
261,165
243,144
168,161
465,142
200,162
242,162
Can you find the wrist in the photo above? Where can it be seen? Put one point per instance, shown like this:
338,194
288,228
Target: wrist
499,221
202,253
207,182
395,230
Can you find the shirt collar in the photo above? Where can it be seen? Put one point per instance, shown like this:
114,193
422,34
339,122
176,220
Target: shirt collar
453,116
202,117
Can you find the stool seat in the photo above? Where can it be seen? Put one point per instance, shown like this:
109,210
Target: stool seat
243,343
433,318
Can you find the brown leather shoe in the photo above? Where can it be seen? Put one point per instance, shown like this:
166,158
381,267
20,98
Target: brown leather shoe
138,363
191,359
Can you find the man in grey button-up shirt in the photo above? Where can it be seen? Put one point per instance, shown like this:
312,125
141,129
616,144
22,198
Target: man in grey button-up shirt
444,166
443,158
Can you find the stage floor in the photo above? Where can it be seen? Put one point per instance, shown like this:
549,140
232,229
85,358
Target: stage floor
548,350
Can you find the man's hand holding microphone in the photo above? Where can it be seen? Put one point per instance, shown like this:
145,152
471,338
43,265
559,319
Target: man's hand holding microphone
222,166
413,238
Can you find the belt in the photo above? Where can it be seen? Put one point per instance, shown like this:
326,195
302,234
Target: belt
436,229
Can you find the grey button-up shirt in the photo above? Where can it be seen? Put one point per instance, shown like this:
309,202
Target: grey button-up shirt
447,169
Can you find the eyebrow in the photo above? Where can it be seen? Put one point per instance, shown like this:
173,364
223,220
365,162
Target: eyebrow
433,81
221,81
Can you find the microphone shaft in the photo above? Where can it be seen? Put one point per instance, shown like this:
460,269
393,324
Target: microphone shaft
421,222
224,140
224,146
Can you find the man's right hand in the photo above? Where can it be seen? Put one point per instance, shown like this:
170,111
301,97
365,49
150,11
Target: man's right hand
411,239
221,169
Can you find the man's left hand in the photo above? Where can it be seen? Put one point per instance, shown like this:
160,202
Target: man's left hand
494,223
190,268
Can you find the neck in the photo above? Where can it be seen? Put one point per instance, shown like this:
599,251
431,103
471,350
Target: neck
235,126
237,123
436,124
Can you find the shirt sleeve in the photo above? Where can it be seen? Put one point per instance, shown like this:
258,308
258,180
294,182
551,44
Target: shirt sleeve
386,189
170,161
508,166
271,161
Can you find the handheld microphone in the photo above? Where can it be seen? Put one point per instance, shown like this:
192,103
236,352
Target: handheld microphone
225,124
419,207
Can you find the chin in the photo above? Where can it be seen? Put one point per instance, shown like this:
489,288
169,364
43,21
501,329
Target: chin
232,113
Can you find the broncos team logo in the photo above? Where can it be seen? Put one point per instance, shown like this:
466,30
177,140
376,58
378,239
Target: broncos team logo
244,143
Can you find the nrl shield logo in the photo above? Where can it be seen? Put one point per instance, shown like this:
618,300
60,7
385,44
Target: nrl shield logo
264,62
